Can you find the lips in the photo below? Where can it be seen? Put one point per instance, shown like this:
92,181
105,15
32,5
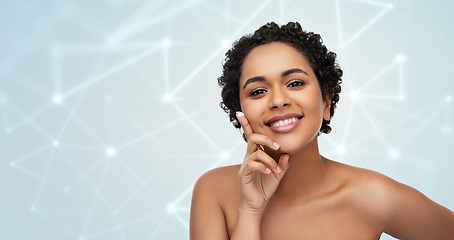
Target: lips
284,123
283,117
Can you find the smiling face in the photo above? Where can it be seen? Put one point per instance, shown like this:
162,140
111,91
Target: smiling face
281,97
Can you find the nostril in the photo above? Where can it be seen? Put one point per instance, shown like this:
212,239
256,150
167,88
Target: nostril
281,105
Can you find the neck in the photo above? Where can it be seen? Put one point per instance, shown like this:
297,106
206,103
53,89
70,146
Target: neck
306,175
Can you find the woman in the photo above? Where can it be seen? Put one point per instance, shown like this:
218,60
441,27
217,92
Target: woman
281,85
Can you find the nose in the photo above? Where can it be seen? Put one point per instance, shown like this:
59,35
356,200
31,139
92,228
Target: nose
279,98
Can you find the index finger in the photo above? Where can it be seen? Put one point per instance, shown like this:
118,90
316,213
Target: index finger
245,124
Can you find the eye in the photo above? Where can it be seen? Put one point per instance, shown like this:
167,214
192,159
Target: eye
295,84
257,92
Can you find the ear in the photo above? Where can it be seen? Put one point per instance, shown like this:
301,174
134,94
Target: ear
327,108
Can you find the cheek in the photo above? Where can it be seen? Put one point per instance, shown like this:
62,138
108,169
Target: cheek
316,101
252,111
310,101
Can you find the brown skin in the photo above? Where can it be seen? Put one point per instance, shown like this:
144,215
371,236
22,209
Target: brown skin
288,190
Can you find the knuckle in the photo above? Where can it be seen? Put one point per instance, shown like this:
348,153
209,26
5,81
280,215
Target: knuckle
255,138
248,164
266,158
252,138
255,155
261,154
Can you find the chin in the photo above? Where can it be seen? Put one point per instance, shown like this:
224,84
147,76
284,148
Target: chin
290,150
292,145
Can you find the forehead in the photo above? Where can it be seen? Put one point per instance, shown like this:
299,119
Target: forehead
272,58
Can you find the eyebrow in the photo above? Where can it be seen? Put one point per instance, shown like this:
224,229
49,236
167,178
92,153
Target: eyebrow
252,80
284,74
293,70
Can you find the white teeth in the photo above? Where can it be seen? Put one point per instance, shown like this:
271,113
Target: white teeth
281,123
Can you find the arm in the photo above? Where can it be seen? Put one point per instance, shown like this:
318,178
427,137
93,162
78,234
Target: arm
258,178
207,219
412,215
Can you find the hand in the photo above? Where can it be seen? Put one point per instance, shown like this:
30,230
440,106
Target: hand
259,175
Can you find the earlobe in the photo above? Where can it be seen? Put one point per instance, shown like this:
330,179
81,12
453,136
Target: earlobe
326,110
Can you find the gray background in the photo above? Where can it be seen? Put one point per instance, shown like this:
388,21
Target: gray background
109,109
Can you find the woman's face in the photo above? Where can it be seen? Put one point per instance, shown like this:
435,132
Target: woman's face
280,96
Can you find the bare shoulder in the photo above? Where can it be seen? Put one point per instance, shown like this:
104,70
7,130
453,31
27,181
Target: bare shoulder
399,209
214,185
207,216
222,171
217,179
365,188
374,190
365,180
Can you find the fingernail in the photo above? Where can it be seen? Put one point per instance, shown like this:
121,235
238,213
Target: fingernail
278,169
268,170
240,114
276,145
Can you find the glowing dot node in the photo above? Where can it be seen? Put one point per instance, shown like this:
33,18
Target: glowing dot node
171,208
55,143
167,98
341,149
57,99
12,163
32,209
224,43
114,213
400,58
7,130
401,97
166,43
393,154
111,151
224,155
354,95
66,189
390,6
448,98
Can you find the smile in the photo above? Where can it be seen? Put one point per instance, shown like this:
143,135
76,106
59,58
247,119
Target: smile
284,122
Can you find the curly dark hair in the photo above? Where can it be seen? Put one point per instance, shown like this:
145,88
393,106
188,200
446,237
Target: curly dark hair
310,45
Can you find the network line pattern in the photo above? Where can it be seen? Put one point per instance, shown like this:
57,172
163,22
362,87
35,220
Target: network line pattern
109,109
